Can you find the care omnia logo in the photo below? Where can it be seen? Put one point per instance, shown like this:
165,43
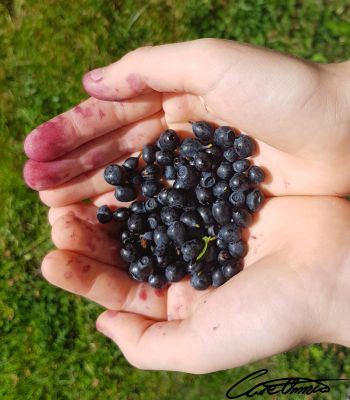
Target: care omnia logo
251,386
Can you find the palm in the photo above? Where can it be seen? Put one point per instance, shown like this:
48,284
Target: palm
87,264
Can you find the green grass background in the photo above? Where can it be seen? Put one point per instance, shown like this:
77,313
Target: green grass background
49,348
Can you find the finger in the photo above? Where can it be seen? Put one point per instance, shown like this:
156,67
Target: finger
85,186
255,323
89,120
72,233
99,152
86,212
164,68
104,284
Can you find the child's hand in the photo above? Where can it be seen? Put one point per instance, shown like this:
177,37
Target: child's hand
298,111
294,289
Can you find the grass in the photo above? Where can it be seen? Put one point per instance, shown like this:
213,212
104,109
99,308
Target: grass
49,346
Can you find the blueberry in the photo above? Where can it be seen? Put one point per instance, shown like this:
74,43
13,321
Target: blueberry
230,269
162,259
244,146
179,161
191,202
136,272
169,215
221,244
153,220
195,266
242,218
237,249
134,178
114,174
125,193
206,214
150,188
204,195
210,254
137,223
224,136
131,163
255,175
150,172
163,196
190,147
203,131
237,198
169,172
221,190
230,233
225,170
222,211
177,232
164,157
104,214
224,257
128,253
200,281
208,179
138,207
177,198
168,140
254,200
127,237
230,154
216,153
191,249
188,176
148,236
218,278
191,219
151,204
241,165
157,281
160,236
175,272
149,153
178,184
121,214
203,161
146,264
238,180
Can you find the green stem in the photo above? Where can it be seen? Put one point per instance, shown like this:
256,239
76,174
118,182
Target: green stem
206,239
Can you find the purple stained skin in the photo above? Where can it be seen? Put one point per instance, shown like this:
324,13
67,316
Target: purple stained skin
39,175
135,83
85,112
101,114
50,140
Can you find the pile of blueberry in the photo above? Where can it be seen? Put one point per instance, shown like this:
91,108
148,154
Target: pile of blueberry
192,224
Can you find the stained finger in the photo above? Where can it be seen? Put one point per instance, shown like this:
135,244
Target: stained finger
104,284
89,120
99,152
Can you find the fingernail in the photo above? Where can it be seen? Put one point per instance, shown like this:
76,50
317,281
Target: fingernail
96,74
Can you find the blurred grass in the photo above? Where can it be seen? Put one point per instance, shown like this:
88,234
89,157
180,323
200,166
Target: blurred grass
48,345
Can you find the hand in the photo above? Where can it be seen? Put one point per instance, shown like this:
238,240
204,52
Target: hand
297,111
294,289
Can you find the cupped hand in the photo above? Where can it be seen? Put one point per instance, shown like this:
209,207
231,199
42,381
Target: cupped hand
297,111
293,290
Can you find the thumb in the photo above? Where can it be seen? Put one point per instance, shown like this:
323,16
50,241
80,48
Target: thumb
166,68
